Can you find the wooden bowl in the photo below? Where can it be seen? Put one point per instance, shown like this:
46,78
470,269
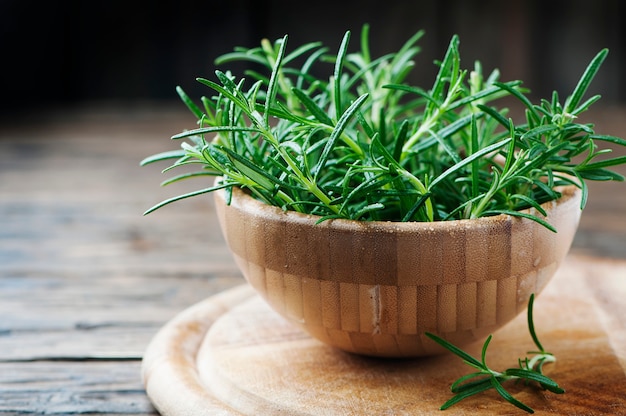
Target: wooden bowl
374,288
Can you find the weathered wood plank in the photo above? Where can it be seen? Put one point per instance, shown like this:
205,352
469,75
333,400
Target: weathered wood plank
28,303
100,317
66,321
72,387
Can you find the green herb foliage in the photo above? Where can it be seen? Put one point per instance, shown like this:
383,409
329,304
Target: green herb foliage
362,144
530,370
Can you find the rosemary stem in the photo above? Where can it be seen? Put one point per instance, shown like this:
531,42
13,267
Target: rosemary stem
545,357
354,146
423,190
428,124
310,185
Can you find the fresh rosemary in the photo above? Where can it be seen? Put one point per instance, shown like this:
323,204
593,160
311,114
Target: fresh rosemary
363,144
529,369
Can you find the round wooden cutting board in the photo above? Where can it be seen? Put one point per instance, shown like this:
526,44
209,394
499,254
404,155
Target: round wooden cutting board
232,355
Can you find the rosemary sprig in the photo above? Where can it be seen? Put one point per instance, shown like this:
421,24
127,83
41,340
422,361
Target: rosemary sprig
530,370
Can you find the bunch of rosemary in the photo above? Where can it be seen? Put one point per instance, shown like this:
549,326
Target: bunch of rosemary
362,144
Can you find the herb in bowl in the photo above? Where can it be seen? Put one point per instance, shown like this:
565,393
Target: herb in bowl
363,144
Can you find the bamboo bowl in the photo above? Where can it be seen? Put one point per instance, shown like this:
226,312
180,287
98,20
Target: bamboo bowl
374,288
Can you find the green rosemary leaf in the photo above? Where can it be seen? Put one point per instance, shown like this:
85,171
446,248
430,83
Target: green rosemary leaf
609,139
284,113
458,125
301,50
253,93
400,139
171,154
216,158
530,203
405,53
510,154
242,56
493,113
382,126
602,164
531,322
364,188
313,108
483,353
365,43
555,105
258,175
599,174
257,76
368,209
402,65
549,190
207,130
189,175
521,97
584,189
508,397
572,101
189,103
447,147
531,375
184,196
303,73
377,148
365,124
475,389
474,168
585,106
414,90
493,90
362,70
468,160
419,203
341,55
521,215
463,383
336,133
227,82
225,92
186,161
273,84
455,350
540,131
444,69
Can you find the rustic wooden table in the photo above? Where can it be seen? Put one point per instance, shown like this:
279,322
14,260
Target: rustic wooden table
86,281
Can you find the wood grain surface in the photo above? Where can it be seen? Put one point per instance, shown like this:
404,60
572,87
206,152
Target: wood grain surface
86,281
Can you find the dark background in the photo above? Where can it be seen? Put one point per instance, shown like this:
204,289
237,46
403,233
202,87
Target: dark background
66,54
